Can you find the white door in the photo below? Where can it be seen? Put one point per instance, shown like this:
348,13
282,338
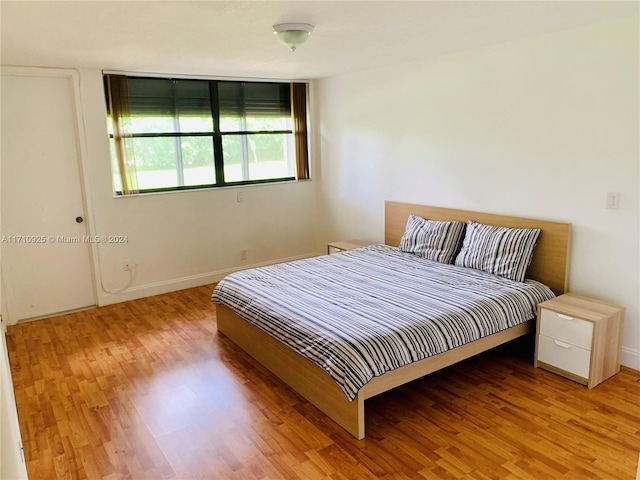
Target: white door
46,260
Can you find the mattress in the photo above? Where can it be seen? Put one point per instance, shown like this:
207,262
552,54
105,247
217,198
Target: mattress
361,313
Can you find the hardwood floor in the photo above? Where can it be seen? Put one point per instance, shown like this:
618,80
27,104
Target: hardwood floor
148,390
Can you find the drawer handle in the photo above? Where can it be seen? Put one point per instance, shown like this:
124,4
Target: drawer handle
564,317
561,344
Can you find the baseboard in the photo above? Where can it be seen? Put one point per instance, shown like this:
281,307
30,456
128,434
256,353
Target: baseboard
630,358
157,288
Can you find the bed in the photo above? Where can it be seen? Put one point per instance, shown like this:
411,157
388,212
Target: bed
259,322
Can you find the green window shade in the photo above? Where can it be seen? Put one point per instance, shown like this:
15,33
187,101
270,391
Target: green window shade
171,134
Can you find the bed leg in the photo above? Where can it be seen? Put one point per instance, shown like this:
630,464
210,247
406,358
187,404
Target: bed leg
360,405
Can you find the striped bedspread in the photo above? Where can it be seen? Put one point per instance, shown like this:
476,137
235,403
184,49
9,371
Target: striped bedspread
361,313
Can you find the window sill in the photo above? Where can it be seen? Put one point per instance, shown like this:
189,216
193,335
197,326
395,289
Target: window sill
209,189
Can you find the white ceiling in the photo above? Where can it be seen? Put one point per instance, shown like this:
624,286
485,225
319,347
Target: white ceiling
234,38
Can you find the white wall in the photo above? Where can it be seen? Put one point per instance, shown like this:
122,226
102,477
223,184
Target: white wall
12,464
178,240
542,128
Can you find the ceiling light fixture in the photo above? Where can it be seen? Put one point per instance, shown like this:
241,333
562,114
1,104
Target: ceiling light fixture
292,34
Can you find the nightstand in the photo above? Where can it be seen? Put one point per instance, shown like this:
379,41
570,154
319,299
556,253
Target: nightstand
337,247
579,338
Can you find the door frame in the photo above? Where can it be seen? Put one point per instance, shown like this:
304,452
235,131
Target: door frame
81,147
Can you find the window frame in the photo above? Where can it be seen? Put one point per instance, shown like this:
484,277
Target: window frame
299,129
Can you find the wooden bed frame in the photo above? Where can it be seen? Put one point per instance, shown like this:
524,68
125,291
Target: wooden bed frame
549,266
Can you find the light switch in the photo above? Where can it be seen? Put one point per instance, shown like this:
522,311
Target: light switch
613,200
240,196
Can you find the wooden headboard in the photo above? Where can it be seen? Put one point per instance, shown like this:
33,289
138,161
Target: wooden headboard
550,263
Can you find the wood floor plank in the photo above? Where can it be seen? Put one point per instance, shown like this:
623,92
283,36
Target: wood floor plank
148,390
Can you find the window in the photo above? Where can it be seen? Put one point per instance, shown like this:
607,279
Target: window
174,134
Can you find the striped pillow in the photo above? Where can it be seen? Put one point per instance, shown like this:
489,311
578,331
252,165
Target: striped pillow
437,241
506,252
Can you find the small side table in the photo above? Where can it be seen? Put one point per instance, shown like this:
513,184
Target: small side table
579,338
343,246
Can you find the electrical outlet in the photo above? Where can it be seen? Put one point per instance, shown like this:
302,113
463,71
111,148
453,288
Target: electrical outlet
240,196
243,254
126,265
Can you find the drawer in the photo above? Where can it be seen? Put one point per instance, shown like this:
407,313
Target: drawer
566,329
564,356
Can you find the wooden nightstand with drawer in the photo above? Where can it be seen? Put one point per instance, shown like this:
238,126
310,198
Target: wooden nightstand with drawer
579,338
343,246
